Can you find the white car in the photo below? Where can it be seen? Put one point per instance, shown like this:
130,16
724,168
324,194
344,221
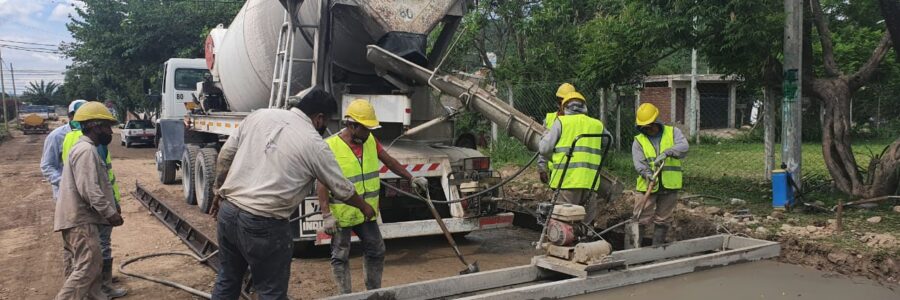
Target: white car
138,132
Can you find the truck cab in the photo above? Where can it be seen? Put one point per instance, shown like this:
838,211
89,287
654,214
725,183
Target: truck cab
180,78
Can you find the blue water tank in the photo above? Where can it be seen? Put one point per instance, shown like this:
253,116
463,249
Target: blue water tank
782,193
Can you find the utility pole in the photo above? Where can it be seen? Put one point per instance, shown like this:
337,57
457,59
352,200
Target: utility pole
769,129
792,106
693,118
3,96
15,96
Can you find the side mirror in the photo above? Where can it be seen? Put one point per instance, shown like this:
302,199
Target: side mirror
154,97
121,126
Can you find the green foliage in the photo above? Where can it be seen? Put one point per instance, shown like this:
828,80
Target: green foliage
508,150
44,93
120,45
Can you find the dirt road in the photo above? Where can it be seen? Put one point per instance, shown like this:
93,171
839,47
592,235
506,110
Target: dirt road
30,250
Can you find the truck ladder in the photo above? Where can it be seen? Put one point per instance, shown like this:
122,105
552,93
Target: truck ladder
284,54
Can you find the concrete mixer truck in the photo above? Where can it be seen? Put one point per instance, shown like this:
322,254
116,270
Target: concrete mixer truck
259,62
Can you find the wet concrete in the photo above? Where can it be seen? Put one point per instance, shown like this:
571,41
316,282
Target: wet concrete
756,280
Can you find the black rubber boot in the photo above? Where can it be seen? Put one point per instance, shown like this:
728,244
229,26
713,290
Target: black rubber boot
659,234
107,286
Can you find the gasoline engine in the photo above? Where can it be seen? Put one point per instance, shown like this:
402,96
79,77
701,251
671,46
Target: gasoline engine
568,237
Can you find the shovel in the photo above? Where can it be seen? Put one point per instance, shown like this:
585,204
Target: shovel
470,268
634,229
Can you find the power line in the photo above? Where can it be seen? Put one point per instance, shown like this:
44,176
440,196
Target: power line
28,43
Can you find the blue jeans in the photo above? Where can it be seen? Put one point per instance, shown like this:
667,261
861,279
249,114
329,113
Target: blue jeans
263,244
373,252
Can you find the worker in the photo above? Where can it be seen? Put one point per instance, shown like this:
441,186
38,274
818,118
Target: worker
654,145
85,203
359,153
51,159
71,138
549,119
581,179
263,173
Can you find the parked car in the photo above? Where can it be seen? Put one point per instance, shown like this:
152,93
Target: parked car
138,132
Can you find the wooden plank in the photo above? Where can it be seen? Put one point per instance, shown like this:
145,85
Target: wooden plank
450,286
676,249
572,268
580,286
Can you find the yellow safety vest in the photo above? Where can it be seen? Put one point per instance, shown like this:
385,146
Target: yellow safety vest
363,173
671,172
69,142
548,122
586,157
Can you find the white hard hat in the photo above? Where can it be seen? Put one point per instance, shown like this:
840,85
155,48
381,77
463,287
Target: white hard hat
75,104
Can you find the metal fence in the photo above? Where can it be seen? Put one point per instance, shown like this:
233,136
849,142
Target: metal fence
720,157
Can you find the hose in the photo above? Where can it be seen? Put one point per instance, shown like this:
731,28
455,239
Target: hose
165,282
490,189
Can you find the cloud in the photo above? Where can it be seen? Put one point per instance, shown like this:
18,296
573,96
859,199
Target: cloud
19,8
62,11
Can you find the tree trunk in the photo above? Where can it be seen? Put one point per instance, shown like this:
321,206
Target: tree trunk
836,145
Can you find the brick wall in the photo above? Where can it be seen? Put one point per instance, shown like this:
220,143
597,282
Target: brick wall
661,98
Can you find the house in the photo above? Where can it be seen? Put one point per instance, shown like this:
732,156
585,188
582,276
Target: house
671,93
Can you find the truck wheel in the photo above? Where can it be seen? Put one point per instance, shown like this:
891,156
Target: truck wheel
188,159
204,176
165,168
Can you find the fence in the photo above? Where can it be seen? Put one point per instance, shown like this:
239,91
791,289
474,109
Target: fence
728,162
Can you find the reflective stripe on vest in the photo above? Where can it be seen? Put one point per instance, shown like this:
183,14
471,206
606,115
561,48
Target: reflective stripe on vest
586,156
71,138
548,122
671,172
363,173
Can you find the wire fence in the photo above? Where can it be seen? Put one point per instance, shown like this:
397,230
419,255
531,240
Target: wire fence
727,153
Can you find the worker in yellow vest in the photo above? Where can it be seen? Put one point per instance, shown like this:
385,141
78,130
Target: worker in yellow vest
577,186
360,155
654,145
544,167
105,230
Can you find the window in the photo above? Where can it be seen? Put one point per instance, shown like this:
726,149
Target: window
187,79
139,125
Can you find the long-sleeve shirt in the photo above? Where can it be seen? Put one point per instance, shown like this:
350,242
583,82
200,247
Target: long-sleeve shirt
85,194
277,155
51,159
541,160
679,150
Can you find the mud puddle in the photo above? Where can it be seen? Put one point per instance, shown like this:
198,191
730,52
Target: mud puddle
757,280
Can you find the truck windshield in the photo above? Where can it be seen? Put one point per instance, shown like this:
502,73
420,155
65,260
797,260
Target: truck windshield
187,79
138,125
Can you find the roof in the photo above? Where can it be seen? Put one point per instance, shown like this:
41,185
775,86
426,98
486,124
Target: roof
687,77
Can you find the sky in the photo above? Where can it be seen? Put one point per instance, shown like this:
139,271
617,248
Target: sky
41,23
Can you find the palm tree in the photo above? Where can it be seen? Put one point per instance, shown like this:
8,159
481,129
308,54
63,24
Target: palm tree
43,93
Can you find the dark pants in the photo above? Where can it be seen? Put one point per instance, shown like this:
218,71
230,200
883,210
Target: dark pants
373,251
263,244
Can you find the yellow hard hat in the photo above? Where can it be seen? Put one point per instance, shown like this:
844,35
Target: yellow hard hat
362,112
93,110
564,89
646,114
572,96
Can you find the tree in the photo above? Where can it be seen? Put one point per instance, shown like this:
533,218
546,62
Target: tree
44,93
835,89
120,45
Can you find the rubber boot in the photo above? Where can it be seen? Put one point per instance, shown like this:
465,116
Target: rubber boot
373,269
659,234
342,278
107,286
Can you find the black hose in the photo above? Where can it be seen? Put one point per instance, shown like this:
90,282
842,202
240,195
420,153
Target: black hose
490,189
165,282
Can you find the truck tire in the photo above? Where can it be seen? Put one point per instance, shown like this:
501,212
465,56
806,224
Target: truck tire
166,169
188,159
204,177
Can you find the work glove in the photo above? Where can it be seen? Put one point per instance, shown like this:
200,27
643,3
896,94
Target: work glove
660,158
544,177
329,224
420,184
649,177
